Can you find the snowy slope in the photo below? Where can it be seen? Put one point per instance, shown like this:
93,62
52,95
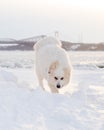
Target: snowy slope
24,106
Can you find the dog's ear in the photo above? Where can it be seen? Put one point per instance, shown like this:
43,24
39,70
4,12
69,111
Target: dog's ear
67,72
53,66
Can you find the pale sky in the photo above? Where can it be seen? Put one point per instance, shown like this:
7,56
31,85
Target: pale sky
75,20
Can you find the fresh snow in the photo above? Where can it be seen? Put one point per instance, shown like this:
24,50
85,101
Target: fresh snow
25,106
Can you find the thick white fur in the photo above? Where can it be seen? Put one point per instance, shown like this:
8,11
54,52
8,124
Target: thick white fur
52,63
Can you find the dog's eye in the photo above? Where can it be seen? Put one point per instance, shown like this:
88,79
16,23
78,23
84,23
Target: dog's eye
62,78
55,78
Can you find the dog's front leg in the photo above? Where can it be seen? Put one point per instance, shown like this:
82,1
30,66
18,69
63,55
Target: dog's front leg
54,90
41,83
40,79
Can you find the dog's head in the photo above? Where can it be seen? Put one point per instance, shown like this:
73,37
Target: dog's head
58,76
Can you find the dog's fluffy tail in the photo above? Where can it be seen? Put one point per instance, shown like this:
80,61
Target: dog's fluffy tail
47,41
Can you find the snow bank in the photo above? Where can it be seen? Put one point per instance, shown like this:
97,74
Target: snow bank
23,108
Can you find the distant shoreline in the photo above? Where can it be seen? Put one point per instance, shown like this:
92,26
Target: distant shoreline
27,44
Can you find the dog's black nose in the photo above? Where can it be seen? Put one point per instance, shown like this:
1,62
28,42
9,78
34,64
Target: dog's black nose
58,86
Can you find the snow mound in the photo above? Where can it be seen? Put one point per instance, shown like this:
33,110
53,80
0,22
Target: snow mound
7,76
22,108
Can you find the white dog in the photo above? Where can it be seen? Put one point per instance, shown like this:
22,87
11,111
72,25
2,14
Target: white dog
52,64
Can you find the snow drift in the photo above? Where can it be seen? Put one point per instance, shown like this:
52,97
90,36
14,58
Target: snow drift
24,106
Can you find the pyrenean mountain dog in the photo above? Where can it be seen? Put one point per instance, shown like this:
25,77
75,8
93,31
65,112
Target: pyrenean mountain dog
52,64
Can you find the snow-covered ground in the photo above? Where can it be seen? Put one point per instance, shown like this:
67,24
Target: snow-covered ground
25,106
